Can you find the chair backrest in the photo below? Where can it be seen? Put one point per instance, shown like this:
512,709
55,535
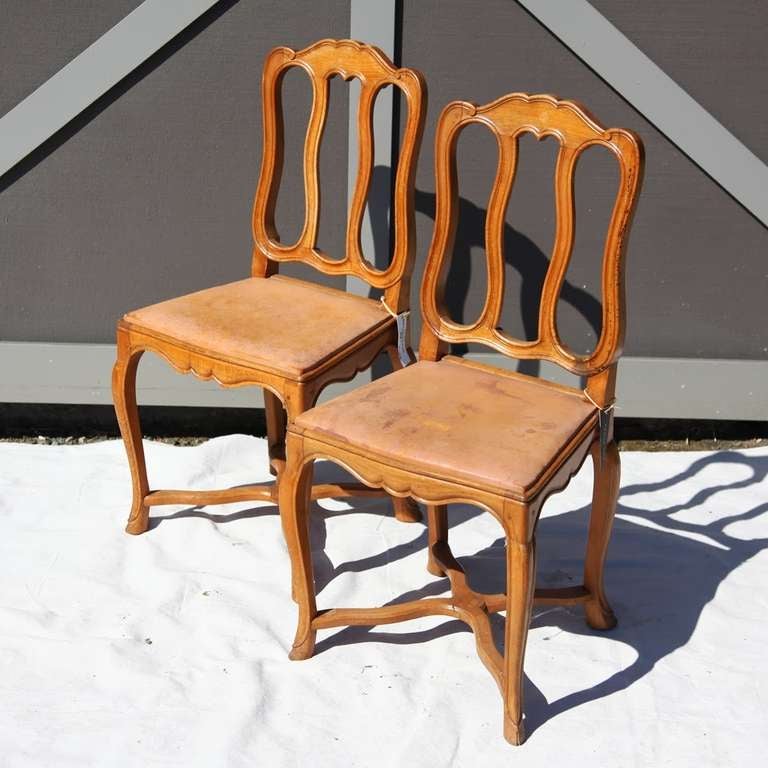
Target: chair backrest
321,61
575,130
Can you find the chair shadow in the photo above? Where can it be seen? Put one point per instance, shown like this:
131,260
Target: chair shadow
520,253
664,572
325,570
199,513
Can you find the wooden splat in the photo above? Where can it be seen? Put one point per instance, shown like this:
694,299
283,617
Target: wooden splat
572,126
321,61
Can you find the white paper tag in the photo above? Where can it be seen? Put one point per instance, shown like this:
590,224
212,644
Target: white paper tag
402,350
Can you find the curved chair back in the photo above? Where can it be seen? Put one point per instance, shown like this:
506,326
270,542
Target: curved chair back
322,61
507,118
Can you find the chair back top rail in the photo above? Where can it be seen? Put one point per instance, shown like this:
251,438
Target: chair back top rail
321,61
575,130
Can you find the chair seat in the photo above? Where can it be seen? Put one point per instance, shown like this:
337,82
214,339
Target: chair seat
278,324
497,431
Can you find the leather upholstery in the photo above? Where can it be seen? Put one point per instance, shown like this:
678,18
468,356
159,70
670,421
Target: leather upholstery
493,430
278,324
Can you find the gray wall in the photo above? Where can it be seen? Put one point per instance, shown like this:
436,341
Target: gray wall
697,273
152,197
147,194
38,37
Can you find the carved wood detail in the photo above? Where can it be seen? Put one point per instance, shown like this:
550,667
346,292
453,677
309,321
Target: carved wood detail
507,118
321,61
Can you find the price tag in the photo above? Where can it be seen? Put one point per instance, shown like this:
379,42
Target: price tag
603,423
402,350
401,322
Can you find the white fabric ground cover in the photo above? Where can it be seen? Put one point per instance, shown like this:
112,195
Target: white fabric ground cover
170,649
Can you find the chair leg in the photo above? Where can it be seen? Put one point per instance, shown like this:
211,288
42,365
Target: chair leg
604,497
521,567
437,531
124,397
295,491
406,509
276,423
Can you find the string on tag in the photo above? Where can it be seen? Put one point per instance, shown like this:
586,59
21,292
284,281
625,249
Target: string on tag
602,422
402,321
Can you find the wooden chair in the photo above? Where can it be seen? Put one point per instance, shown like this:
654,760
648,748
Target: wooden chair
288,336
450,430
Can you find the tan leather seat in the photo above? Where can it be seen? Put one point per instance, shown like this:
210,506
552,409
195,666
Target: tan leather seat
454,420
278,324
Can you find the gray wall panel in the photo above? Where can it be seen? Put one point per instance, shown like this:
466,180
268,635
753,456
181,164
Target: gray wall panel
152,197
715,51
697,274
38,37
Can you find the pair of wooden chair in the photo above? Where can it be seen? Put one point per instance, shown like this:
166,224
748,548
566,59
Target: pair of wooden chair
441,430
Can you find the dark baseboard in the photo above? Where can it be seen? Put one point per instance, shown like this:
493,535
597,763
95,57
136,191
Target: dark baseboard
689,429
57,420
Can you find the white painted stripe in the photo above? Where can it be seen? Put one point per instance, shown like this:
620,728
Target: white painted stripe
40,372
82,373
658,98
100,66
676,387
647,387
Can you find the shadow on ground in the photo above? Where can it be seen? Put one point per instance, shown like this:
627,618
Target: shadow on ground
661,572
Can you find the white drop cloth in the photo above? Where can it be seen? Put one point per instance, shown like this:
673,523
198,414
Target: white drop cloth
170,648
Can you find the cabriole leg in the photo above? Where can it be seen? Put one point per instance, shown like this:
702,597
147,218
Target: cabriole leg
406,509
295,491
124,397
521,565
604,497
276,419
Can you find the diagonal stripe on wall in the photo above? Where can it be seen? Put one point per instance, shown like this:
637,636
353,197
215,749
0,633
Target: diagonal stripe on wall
658,98
373,22
99,67
575,22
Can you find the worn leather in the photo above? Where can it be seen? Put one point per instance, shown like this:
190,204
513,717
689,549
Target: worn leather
452,420
279,324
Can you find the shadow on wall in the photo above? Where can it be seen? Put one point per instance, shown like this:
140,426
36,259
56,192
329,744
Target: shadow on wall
520,253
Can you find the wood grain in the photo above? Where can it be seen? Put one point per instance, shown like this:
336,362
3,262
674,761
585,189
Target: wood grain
321,434
576,130
321,61
288,394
